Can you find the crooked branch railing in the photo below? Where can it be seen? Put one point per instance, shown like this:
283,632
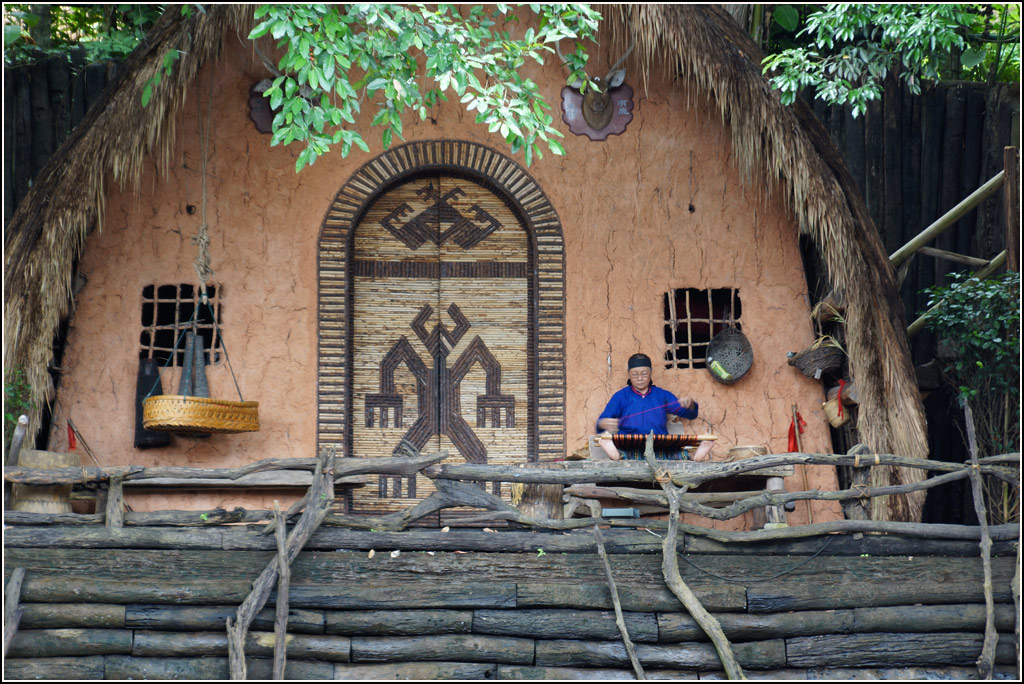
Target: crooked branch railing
453,491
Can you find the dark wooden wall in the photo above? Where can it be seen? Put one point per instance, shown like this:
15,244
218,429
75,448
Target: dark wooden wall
152,603
43,102
915,158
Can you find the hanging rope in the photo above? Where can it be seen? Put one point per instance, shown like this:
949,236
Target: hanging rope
202,238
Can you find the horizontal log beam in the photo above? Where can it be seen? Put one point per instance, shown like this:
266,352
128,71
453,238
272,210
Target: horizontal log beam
346,467
691,656
209,668
416,671
300,646
675,627
458,647
555,623
213,618
953,256
71,615
942,538
398,622
686,473
894,649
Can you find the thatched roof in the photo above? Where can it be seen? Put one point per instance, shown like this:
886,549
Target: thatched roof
783,148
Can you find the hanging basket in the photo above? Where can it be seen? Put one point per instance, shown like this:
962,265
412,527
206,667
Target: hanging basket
729,356
191,415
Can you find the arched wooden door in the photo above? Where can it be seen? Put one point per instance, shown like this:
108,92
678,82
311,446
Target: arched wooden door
440,325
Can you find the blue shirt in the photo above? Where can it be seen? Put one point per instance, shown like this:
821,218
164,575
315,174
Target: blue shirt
640,414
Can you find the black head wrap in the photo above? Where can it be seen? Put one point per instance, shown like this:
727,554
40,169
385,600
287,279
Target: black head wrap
638,361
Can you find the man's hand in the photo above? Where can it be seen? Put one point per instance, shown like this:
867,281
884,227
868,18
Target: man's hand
609,424
686,402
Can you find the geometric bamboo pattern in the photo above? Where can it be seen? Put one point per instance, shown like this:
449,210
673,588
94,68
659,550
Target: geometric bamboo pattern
546,291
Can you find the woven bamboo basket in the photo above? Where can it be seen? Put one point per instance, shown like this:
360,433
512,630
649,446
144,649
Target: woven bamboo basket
186,415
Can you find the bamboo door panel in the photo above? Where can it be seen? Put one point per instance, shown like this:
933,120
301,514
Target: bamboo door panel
440,332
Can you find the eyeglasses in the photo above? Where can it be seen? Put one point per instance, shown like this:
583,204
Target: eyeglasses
639,374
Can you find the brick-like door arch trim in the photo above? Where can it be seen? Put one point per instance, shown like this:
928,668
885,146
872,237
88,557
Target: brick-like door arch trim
509,181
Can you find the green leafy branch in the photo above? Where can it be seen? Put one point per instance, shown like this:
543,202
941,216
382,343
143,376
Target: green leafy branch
401,58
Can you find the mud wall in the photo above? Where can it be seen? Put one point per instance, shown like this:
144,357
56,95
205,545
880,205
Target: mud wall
661,206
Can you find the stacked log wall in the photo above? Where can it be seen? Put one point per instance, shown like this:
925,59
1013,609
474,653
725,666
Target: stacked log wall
833,607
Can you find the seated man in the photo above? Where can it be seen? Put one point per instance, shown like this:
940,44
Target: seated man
640,407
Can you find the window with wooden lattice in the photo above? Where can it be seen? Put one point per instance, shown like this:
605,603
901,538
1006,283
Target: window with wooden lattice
692,318
167,310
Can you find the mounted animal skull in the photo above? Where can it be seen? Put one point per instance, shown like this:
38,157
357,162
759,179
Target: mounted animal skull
597,101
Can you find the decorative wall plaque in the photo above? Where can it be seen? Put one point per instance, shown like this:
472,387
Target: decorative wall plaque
586,114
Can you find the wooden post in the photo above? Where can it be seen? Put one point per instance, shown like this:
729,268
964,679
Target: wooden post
284,574
320,498
17,439
12,613
542,501
987,659
1011,207
670,569
115,503
775,515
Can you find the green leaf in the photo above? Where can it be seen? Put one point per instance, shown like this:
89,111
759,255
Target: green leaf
147,93
786,16
971,58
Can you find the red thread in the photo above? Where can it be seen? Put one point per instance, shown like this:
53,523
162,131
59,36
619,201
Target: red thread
71,438
839,396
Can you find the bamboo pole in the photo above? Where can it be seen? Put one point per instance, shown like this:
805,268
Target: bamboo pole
1011,207
947,220
12,611
954,257
986,661
620,621
670,569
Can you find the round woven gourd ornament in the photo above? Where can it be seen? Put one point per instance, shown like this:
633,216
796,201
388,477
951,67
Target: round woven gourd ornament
729,356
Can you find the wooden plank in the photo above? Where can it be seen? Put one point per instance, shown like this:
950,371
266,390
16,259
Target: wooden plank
280,478
553,623
49,643
566,652
56,669
300,646
588,596
398,622
674,627
893,649
65,615
212,618
471,648
415,671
